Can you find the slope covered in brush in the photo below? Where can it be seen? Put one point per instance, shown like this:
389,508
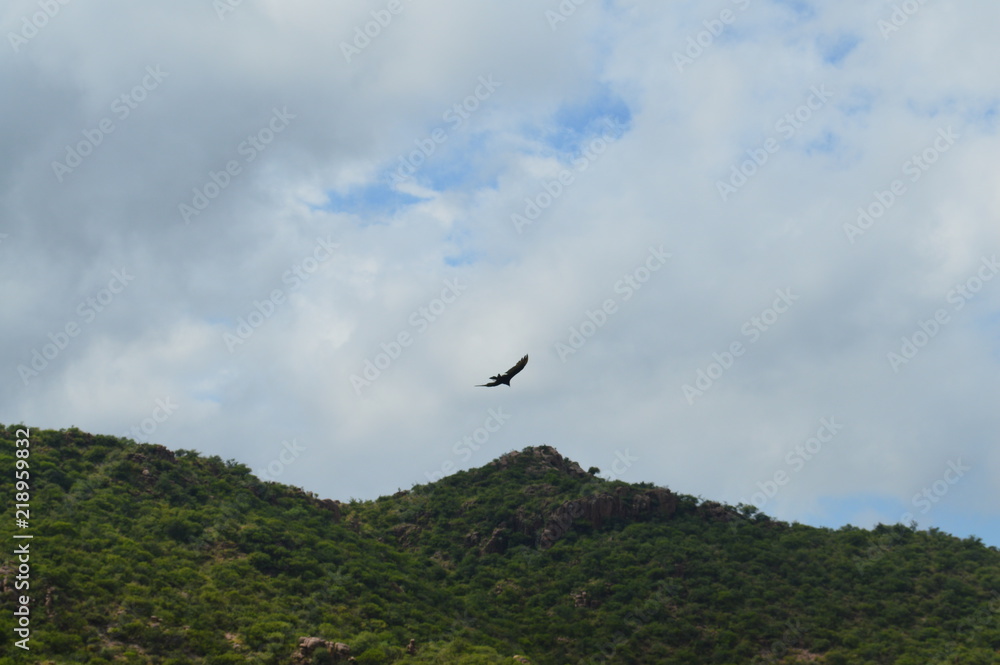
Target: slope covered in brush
145,555
166,557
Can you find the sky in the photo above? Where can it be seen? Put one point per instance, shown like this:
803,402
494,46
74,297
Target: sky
750,246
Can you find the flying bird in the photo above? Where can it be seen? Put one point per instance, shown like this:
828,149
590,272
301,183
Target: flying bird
506,377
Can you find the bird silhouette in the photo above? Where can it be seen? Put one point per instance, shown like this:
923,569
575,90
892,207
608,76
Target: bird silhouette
507,376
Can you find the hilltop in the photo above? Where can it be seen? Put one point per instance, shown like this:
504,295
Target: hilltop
142,554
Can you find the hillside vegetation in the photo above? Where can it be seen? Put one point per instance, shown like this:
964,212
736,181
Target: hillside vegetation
145,555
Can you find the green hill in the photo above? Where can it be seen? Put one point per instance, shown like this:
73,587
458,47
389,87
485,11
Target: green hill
144,555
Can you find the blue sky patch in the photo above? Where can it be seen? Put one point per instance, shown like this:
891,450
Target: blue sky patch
575,123
803,11
834,50
463,258
825,144
461,162
377,198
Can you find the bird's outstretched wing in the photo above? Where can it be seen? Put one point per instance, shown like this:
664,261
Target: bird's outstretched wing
516,368
505,378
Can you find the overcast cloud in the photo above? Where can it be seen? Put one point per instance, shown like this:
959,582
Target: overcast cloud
751,246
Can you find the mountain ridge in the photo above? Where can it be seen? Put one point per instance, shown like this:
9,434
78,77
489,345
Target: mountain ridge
148,555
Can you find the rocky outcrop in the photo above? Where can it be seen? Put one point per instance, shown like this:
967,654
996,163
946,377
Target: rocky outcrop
145,455
623,503
406,534
330,505
546,529
540,459
497,542
308,645
148,451
715,511
539,518
595,506
156,451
